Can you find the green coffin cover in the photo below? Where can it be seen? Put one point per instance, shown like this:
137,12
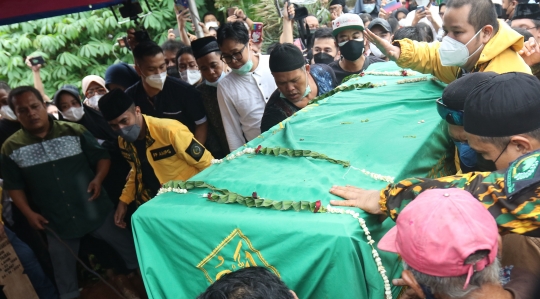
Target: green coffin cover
185,242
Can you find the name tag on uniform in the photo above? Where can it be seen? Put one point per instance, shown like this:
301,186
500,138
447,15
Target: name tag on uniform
163,152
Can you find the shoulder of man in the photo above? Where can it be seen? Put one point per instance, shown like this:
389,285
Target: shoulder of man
15,141
523,174
176,83
134,89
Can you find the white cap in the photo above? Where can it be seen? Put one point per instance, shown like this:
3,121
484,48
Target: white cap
347,21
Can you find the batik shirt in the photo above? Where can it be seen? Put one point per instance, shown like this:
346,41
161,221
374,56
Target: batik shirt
55,172
512,197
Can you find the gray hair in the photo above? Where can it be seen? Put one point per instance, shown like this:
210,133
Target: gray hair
453,286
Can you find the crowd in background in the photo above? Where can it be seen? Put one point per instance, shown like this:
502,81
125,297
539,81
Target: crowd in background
76,164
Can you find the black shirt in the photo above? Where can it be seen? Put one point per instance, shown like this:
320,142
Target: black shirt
341,73
149,178
278,109
178,100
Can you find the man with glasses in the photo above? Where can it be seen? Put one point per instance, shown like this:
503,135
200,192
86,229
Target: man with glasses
242,94
527,16
349,34
93,88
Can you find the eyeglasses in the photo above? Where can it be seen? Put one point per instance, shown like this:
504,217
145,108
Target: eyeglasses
100,91
236,56
452,116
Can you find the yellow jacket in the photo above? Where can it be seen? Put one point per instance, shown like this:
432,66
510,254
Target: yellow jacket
499,55
171,150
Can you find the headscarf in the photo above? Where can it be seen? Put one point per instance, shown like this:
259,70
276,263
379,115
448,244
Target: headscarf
359,8
401,9
89,79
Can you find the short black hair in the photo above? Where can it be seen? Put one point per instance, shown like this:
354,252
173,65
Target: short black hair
248,283
20,90
425,32
5,86
409,32
394,24
236,31
209,14
146,49
172,45
181,51
526,34
365,17
323,32
482,13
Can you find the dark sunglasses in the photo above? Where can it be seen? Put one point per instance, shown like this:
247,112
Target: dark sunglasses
452,116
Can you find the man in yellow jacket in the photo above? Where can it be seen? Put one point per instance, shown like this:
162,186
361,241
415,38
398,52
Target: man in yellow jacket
158,150
475,41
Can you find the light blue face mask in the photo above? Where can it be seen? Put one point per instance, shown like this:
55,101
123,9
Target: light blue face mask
245,68
306,93
368,8
215,84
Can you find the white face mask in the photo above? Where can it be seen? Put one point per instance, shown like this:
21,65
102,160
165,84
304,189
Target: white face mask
73,114
209,25
375,51
454,53
215,84
55,115
93,101
7,113
191,76
156,81
368,8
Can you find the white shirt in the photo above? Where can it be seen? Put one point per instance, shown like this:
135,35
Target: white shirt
435,16
242,100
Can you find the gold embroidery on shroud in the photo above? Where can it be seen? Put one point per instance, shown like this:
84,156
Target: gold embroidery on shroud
241,262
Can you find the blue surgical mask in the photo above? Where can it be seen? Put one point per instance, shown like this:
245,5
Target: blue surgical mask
368,8
246,67
467,155
306,93
215,84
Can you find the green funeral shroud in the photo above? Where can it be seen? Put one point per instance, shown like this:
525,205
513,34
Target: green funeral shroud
185,241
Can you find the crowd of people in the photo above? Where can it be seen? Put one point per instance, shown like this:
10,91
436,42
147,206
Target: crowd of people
76,167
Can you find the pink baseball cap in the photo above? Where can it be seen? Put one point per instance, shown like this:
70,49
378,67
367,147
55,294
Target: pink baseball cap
441,228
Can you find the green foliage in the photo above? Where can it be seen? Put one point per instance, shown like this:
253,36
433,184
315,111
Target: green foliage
75,45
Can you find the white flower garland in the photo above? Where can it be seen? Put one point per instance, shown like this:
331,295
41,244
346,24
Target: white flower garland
332,210
379,177
376,257
247,150
408,73
176,190
412,80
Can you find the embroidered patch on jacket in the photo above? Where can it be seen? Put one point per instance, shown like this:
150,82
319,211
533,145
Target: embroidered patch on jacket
195,150
163,152
523,173
126,155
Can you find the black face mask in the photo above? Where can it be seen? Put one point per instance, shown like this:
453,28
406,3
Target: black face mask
352,50
323,58
172,71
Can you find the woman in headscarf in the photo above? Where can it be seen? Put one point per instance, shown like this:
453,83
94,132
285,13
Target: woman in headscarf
400,13
71,109
371,7
93,89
